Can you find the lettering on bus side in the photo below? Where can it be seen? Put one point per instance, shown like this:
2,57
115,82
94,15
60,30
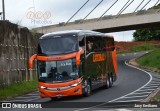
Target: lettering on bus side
98,57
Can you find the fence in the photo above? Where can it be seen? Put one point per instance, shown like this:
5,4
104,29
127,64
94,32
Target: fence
17,44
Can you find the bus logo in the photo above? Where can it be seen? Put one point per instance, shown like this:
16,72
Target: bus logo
98,57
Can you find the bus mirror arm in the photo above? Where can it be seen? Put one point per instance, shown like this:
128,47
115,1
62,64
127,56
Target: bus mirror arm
31,60
78,61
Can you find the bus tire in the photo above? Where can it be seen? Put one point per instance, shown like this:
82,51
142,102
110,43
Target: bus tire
107,82
88,89
110,80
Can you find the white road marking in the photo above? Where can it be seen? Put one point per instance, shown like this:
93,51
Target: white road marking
147,90
136,96
16,100
130,100
151,86
154,84
122,110
31,99
27,97
114,110
143,92
89,107
137,89
126,94
32,94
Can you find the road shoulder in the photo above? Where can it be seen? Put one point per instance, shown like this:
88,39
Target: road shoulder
156,91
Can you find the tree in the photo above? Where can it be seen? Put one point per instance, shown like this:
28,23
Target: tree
147,34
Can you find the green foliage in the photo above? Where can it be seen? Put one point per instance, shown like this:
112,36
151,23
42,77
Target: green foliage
156,7
147,34
18,89
144,47
151,60
34,32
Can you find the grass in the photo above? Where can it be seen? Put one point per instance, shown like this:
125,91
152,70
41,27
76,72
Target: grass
122,52
144,47
156,98
18,89
151,60
139,48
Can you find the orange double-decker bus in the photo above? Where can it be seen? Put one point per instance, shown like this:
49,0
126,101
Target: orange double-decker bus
74,63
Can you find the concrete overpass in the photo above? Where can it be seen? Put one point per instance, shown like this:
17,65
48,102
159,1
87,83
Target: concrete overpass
124,22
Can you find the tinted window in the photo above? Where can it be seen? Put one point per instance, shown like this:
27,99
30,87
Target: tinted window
58,45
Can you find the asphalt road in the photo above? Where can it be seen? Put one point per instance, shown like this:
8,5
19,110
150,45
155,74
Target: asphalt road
132,85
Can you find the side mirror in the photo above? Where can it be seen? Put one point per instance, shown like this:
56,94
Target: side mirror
31,60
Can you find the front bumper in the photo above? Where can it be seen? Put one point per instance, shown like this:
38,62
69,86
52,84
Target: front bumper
58,92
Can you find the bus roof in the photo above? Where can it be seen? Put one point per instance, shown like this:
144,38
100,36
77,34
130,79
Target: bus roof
77,32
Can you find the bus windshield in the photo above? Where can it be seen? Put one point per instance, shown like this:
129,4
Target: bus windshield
57,71
56,45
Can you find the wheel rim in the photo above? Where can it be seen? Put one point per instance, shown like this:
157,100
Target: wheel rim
88,89
110,78
107,82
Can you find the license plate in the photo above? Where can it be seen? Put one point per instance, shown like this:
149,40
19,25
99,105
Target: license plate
59,95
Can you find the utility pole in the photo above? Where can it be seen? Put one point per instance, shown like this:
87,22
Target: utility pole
3,9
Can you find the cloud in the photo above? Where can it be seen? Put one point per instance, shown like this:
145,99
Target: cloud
123,36
62,10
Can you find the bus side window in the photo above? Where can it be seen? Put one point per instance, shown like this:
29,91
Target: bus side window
81,43
110,44
98,44
89,45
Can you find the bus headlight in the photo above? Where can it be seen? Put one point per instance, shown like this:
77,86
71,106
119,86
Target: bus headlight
76,84
42,87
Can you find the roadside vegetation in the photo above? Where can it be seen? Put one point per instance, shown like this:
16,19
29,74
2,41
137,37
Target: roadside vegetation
17,89
144,47
156,98
151,61
140,48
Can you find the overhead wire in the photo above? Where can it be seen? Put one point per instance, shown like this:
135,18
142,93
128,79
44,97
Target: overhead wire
125,8
77,11
156,3
92,10
138,6
145,5
107,10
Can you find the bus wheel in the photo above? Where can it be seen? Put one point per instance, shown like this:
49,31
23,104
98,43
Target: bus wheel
87,89
110,80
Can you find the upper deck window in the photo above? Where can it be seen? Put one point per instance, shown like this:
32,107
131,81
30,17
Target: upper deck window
58,44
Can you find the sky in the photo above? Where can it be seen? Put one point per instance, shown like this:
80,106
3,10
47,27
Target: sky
37,13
